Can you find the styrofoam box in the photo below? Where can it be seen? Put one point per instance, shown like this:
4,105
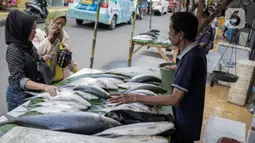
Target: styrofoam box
237,96
242,83
245,68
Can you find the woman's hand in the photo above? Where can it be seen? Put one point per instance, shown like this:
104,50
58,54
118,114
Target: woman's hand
122,99
48,56
52,90
52,32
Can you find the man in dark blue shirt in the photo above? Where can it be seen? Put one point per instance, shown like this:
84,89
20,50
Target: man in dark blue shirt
206,37
189,84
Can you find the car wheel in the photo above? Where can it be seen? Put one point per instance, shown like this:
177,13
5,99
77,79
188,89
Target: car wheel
79,22
113,23
131,20
161,12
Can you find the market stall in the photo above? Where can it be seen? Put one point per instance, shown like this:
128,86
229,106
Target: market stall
150,38
82,100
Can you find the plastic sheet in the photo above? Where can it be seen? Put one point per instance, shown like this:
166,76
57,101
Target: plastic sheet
129,117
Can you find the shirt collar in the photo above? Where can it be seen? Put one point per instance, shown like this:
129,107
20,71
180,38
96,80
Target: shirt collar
187,49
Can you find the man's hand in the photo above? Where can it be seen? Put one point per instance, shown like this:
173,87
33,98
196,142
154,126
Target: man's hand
173,67
122,99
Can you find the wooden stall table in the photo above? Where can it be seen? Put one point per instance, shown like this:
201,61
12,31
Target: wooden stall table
158,46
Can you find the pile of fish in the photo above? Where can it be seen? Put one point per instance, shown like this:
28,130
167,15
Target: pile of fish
149,35
152,35
78,94
76,106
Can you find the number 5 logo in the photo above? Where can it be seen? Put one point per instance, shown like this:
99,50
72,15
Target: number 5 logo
235,18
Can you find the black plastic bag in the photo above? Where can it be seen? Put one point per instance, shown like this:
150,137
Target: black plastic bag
126,117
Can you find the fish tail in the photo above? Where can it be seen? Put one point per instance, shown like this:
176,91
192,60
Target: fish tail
10,119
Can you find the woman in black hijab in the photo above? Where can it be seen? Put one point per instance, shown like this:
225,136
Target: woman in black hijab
22,59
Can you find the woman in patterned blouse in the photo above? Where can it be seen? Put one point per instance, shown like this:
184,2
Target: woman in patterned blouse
21,57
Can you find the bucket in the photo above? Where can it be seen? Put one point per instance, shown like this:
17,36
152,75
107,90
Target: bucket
167,76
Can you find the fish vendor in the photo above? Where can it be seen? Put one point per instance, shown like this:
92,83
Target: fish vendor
189,84
206,37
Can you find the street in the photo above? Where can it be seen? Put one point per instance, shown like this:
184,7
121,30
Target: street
111,47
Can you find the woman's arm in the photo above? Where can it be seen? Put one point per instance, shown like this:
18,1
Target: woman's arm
18,80
42,42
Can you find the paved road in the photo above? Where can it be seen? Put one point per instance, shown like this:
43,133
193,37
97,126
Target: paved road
111,46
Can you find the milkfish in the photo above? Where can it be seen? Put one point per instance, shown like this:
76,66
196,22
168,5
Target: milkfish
150,87
80,122
64,96
145,139
111,83
85,71
88,81
143,92
131,85
97,91
85,95
71,103
138,129
134,71
145,79
24,135
108,76
54,109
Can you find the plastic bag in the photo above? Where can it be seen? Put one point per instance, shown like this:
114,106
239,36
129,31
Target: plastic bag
126,117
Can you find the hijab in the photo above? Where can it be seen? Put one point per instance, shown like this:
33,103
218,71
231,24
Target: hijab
18,28
53,16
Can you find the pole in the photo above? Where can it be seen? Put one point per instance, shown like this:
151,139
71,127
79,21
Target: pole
132,34
150,13
95,36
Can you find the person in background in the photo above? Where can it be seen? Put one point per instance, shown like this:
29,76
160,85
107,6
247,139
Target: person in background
206,37
187,98
44,39
21,57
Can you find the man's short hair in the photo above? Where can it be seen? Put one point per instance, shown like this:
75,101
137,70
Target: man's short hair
185,22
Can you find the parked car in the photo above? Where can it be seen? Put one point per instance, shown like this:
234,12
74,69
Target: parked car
172,4
160,6
112,12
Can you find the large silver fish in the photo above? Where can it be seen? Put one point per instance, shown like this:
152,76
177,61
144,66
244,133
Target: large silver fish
86,95
64,96
134,71
150,87
71,103
143,92
131,85
145,78
111,83
55,109
88,81
108,76
138,129
31,135
80,122
138,107
85,71
97,91
145,139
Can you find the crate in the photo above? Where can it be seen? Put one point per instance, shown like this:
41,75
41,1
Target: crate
237,96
